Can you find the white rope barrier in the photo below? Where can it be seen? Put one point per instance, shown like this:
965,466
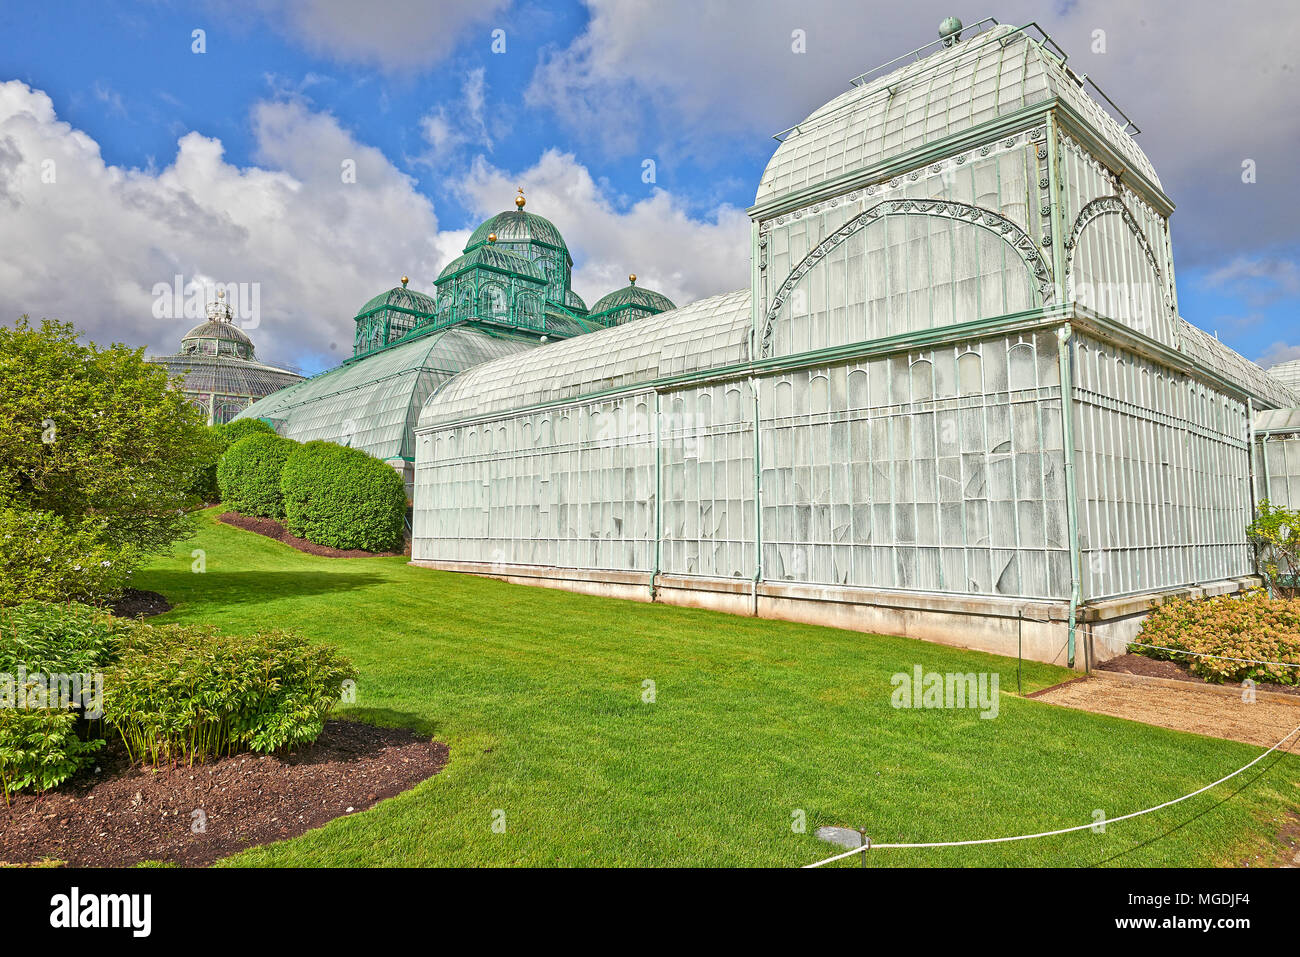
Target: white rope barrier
868,846
1248,661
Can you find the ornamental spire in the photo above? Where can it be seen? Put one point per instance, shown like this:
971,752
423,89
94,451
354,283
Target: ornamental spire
519,200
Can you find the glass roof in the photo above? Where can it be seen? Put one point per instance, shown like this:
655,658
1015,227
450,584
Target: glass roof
707,334
1231,365
1278,420
372,403
978,79
226,375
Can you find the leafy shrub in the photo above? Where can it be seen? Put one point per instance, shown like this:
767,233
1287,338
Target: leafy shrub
95,439
249,475
43,746
40,749
343,498
205,487
1275,533
1252,626
70,638
91,431
183,693
46,557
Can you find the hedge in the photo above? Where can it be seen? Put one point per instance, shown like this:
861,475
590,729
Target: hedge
343,498
205,486
249,475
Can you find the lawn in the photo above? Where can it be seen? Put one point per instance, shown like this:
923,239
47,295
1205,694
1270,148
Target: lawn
539,694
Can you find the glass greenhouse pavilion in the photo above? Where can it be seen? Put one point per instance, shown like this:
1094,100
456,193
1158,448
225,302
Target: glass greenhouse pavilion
957,401
510,291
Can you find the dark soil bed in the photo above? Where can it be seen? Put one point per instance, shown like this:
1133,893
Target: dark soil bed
1131,664
273,529
136,603
122,815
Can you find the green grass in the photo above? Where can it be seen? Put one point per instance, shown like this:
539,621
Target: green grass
538,693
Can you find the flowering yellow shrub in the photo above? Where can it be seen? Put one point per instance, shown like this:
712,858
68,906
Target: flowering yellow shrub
1248,626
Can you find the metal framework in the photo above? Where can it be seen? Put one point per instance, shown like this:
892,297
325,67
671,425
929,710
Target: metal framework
959,374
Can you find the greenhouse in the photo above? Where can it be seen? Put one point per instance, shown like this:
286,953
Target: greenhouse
509,291
957,403
220,372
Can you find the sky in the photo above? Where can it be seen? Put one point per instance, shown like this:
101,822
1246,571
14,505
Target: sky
318,150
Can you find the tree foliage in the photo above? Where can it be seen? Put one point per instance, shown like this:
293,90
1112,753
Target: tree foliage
1276,535
95,443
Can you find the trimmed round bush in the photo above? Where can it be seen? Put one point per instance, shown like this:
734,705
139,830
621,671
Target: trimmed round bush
232,432
343,498
205,486
249,475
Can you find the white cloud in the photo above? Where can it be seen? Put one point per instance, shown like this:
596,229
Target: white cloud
683,257
393,35
1260,280
1209,90
90,246
448,132
1278,352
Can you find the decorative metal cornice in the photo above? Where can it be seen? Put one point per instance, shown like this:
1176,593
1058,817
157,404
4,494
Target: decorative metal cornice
994,222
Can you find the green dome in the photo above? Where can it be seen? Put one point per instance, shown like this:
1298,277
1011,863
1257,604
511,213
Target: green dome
517,226
634,295
489,256
402,298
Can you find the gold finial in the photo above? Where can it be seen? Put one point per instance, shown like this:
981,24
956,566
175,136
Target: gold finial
221,294
519,200
405,280
492,237
632,279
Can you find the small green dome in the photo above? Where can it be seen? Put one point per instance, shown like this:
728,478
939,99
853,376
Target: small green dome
634,295
573,301
401,297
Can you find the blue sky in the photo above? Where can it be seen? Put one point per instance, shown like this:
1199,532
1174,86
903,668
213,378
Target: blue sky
443,128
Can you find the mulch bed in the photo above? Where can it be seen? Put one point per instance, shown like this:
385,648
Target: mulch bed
137,603
1132,664
273,529
121,815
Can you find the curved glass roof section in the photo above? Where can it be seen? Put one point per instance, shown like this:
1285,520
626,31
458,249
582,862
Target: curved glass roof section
402,298
219,329
1234,367
373,404
707,334
517,226
978,79
489,257
226,375
633,295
